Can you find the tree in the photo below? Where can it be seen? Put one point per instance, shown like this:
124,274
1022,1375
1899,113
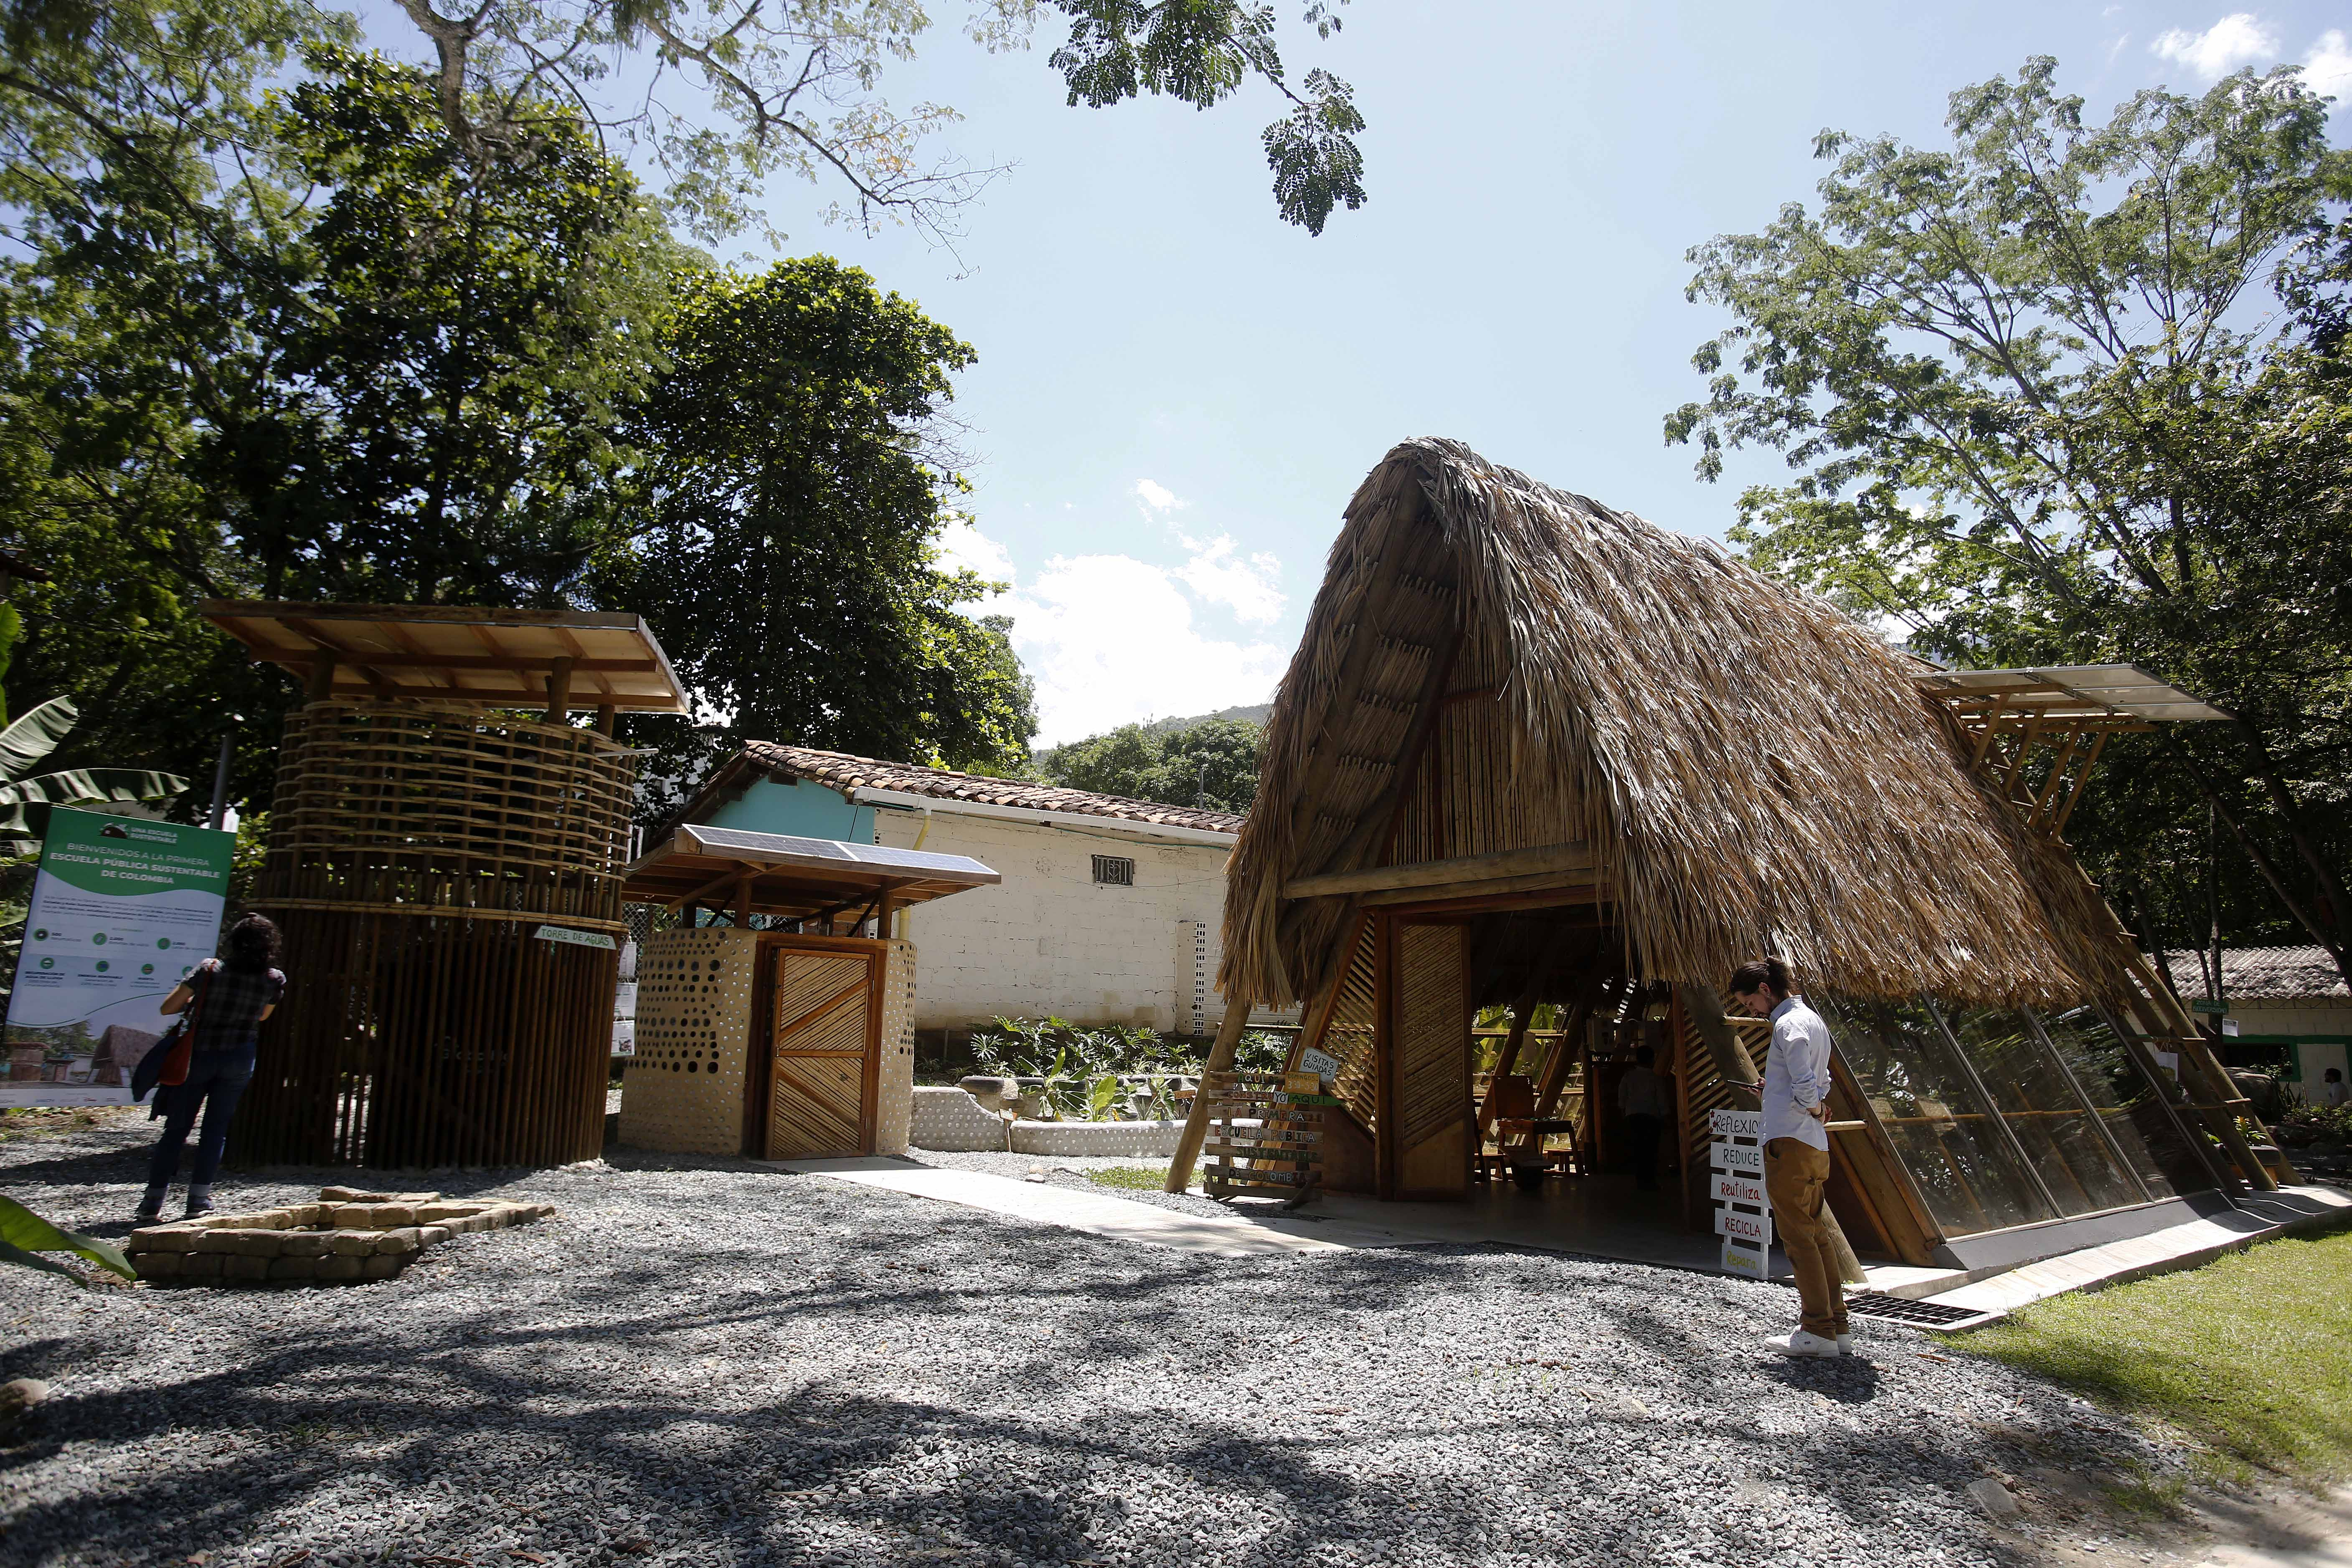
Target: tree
797,80
787,508
2044,413
1213,765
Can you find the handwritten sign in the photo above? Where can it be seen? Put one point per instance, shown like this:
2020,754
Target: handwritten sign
1731,1187
1737,1157
1740,1257
1736,1123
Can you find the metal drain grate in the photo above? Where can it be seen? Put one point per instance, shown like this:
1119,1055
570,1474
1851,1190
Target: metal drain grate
1918,1314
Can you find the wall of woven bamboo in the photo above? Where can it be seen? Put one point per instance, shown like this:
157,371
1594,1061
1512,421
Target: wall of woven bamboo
391,806
415,854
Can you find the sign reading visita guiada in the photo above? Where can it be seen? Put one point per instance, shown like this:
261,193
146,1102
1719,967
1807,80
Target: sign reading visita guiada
122,910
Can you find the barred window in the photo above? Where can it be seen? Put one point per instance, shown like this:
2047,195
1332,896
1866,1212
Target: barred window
1115,870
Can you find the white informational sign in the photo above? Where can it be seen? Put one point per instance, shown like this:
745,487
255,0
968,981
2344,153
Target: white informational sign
124,909
1739,1187
1736,1123
577,938
625,1019
1745,1157
1739,1257
1743,1213
1323,1065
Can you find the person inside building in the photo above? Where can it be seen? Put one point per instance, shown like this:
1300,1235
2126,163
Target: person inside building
2333,1091
226,1001
1642,1100
1796,1154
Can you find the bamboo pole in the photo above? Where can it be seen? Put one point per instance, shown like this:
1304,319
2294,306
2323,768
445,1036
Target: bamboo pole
1196,1121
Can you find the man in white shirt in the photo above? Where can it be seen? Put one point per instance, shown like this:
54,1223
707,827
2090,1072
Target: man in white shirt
1796,1154
2332,1090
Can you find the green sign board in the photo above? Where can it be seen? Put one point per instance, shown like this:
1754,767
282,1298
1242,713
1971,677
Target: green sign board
122,910
2208,1004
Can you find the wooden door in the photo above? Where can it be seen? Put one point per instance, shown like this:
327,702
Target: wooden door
827,1023
1427,1123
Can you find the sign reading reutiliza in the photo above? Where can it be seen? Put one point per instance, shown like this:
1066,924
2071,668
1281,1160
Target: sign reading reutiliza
124,909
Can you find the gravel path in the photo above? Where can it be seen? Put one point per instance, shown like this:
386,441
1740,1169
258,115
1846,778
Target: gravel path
708,1362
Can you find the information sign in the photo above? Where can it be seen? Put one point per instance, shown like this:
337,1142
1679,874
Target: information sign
1736,1123
1738,1157
1746,1225
2210,1004
1735,1187
577,938
123,910
1742,1258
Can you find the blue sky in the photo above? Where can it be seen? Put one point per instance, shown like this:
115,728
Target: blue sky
1176,392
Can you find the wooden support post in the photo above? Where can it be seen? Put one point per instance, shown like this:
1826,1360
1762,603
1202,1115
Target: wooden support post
605,711
1196,1121
2058,823
744,900
323,677
558,690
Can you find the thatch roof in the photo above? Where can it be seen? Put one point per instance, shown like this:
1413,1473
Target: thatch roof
1753,771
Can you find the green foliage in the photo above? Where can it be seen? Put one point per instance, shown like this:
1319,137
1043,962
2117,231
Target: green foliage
2248,1356
25,1235
1212,765
1201,52
2055,397
27,742
1130,1178
1082,1068
784,515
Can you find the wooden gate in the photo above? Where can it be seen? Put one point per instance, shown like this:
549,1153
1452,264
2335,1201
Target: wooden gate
827,1030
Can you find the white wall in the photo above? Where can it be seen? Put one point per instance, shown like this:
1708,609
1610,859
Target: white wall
1049,940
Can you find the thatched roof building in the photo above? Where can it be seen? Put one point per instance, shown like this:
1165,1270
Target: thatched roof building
1750,769
1532,749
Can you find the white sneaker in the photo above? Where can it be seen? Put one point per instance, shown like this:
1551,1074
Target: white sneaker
1804,1343
1845,1344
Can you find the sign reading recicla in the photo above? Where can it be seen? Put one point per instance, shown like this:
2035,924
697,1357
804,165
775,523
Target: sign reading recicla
1743,1215
123,910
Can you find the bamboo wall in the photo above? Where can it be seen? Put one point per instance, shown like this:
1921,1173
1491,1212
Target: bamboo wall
1468,796
414,854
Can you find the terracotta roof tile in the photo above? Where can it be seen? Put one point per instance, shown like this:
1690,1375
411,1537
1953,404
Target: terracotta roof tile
843,771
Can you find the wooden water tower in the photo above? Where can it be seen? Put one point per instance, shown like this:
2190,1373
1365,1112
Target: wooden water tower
444,855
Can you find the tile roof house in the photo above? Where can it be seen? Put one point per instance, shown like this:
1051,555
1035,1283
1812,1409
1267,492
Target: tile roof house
1108,912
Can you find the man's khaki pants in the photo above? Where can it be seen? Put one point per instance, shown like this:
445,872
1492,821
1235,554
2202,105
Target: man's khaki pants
1795,1172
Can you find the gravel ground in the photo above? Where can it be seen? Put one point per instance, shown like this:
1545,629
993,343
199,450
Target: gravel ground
709,1363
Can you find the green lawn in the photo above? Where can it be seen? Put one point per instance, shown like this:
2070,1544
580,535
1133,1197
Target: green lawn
2249,1355
1142,1178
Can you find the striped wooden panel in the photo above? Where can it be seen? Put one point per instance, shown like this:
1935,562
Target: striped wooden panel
1348,1036
816,1101
816,1108
807,982
1432,1033
1708,1093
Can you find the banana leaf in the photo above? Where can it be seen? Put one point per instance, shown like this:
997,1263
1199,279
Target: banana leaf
82,786
35,735
25,1236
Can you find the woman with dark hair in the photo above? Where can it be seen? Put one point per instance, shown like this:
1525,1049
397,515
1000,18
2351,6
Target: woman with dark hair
227,1001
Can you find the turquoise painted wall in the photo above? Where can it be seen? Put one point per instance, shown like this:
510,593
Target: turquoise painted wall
805,810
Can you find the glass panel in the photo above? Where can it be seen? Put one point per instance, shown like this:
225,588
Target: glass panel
2135,1115
2044,1113
1943,1132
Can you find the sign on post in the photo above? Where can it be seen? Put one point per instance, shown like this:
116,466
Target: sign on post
1743,1214
123,910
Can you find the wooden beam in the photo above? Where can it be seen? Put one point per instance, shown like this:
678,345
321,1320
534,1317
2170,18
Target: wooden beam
1196,1120
1503,863
2058,823
741,873
605,711
525,664
1491,886
558,690
322,676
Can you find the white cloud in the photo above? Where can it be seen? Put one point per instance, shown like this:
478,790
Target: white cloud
1250,587
962,546
1111,640
1158,497
2237,39
2327,66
